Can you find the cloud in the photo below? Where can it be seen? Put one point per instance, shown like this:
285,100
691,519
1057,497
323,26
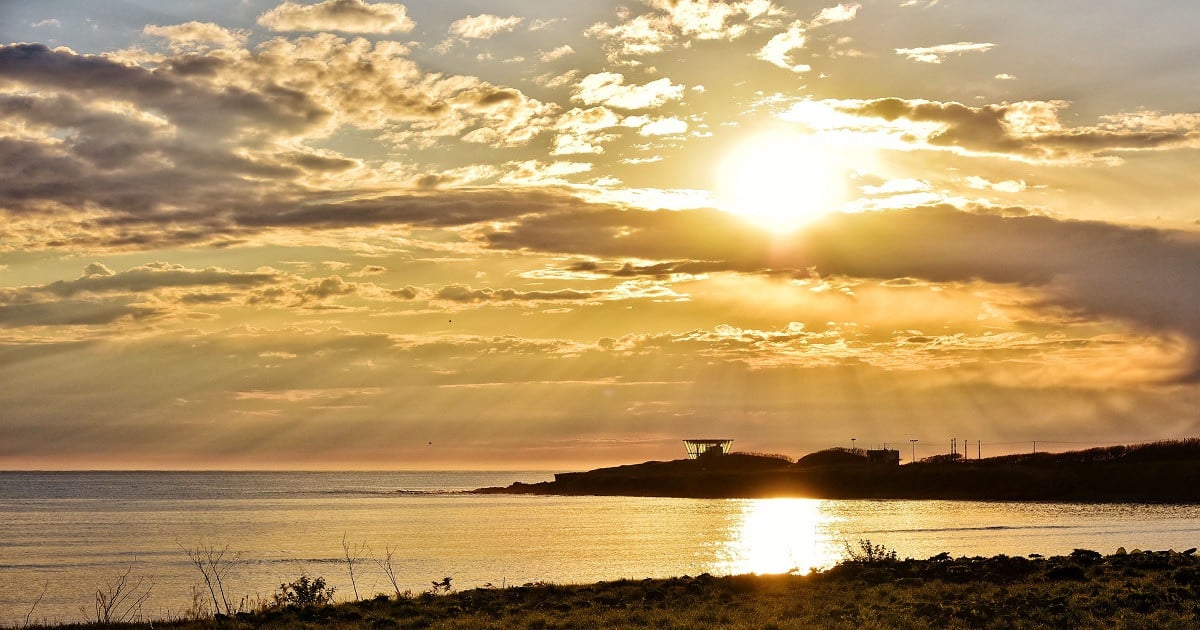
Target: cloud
683,269
97,269
101,295
483,26
551,80
537,173
542,24
347,16
556,53
663,127
608,88
190,104
449,208
95,312
583,130
99,279
640,36
1008,186
672,21
408,292
377,87
835,14
369,270
710,19
332,286
207,298
205,143
192,34
1148,278
778,50
1028,130
937,54
464,293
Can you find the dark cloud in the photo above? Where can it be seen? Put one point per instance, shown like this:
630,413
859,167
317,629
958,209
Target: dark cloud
970,127
996,128
133,169
319,163
194,106
652,270
409,292
107,140
444,209
333,286
99,279
1150,278
207,298
73,312
90,300
353,16
464,293
496,97
203,151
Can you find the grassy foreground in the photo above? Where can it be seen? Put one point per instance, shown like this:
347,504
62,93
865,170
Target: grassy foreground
1082,590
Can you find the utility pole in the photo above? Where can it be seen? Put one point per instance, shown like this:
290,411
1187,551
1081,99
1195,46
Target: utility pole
914,450
978,449
1035,446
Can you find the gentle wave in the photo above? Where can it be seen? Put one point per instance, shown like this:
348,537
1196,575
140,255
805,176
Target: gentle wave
25,490
982,528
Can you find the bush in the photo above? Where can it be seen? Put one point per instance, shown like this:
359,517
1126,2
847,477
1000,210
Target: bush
304,593
869,553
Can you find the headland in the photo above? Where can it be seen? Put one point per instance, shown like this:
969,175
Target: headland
1158,472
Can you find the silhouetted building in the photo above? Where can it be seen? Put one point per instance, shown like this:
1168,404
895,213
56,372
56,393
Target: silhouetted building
703,447
884,456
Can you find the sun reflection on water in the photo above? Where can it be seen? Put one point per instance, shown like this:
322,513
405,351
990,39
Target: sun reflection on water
781,535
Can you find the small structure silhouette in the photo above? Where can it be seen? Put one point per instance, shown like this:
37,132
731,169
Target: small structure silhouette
706,447
884,456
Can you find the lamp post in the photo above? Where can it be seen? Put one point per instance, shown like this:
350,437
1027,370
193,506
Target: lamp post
852,443
914,449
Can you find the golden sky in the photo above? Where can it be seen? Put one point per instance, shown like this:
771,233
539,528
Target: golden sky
519,234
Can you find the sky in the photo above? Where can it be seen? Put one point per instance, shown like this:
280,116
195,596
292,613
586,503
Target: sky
514,234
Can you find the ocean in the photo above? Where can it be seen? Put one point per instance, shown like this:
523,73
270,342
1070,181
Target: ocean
64,535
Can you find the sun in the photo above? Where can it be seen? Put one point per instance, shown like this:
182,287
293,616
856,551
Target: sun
780,182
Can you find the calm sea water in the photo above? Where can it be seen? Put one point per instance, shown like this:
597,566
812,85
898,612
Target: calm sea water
69,533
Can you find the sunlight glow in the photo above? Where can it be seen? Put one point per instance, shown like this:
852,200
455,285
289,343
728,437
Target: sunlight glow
780,182
780,536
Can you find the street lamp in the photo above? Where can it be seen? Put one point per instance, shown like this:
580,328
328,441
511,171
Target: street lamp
914,449
852,443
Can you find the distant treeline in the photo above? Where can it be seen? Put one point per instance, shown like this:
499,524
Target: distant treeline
1159,472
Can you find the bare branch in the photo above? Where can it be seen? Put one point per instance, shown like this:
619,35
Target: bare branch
353,553
29,615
